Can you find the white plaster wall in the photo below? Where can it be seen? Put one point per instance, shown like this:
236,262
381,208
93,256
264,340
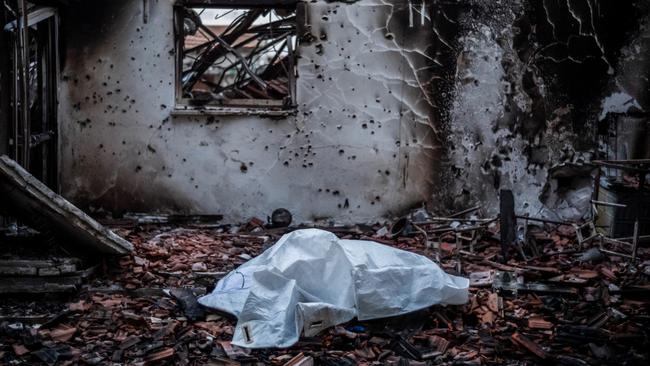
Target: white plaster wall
361,146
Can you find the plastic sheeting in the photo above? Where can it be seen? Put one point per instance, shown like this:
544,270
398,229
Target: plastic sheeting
311,280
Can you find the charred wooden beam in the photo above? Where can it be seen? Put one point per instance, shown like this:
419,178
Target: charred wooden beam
35,203
508,221
242,4
39,284
55,267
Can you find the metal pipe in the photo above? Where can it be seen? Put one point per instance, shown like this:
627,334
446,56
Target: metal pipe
622,166
602,203
24,51
640,238
435,220
629,161
543,220
464,212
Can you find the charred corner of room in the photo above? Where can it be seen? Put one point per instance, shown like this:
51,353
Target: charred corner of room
49,243
575,48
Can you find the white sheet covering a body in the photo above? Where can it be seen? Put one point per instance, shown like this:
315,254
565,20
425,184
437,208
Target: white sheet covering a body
311,280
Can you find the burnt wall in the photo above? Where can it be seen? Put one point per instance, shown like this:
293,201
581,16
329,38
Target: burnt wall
626,101
530,78
362,144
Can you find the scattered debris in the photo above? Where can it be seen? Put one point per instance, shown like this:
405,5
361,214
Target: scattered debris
552,308
193,311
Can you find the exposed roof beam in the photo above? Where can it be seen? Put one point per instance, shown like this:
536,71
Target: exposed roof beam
241,3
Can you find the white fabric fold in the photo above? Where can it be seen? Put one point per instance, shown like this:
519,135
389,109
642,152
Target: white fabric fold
311,280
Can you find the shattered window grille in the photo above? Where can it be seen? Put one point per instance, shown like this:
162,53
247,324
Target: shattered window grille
237,57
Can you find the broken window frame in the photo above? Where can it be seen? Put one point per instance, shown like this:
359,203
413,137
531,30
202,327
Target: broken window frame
234,106
34,100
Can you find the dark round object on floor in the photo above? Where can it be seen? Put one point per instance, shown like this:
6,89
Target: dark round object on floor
281,217
400,227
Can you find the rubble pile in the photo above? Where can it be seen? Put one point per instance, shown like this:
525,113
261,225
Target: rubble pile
568,304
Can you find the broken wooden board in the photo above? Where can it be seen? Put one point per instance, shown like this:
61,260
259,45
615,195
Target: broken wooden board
35,203
529,345
300,360
45,282
49,267
37,285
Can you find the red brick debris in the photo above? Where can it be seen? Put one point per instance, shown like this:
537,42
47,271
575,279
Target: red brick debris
566,305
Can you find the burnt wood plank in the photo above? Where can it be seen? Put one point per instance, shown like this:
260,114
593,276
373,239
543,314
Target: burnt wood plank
35,203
